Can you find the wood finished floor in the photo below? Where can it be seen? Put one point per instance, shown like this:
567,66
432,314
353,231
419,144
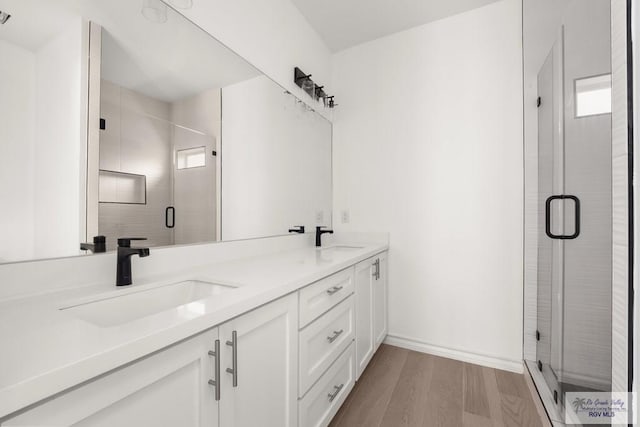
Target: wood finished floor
406,388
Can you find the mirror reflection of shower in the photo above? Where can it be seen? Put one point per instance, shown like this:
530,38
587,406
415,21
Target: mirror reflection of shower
172,145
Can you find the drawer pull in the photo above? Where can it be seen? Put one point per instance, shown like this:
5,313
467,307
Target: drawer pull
334,290
337,389
335,336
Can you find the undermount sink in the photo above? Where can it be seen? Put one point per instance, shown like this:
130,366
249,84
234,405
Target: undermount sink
342,248
120,309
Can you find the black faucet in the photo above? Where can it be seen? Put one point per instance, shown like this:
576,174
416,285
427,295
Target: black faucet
297,229
319,233
98,246
125,252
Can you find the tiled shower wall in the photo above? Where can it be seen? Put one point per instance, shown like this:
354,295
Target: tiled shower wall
136,140
196,195
140,137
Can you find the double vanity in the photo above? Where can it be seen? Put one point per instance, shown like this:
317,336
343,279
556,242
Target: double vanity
274,339
234,318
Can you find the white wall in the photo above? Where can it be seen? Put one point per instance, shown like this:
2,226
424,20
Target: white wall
428,146
59,136
271,35
41,133
276,162
17,130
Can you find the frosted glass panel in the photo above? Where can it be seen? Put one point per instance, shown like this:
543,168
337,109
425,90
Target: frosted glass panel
119,187
593,96
191,158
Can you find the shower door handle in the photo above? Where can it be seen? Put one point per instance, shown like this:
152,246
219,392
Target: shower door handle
547,213
170,217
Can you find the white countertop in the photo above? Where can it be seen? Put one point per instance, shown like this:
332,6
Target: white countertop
46,350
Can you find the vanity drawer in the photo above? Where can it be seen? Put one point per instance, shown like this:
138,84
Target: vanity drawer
322,402
319,297
322,341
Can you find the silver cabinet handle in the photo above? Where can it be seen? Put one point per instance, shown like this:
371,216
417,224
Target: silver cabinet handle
335,336
337,389
333,290
376,272
234,357
216,383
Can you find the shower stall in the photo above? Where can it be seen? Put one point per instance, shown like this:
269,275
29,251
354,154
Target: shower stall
571,185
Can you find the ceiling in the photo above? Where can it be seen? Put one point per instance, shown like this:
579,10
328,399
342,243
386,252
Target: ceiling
35,22
166,61
346,23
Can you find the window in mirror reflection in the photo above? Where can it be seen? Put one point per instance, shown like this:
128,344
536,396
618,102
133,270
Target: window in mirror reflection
593,95
191,158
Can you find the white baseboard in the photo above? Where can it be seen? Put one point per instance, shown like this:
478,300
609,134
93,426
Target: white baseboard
478,359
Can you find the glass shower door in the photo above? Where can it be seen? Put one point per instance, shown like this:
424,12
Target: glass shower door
574,204
550,182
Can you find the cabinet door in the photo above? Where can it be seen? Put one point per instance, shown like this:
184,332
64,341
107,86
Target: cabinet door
364,314
380,296
265,367
169,388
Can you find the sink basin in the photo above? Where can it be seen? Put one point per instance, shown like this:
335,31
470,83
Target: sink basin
342,248
120,309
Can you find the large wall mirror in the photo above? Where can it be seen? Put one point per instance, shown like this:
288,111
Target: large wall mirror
123,118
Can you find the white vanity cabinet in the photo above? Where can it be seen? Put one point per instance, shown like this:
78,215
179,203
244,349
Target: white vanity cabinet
323,341
380,300
326,365
265,367
323,400
288,363
371,308
176,386
320,296
169,388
